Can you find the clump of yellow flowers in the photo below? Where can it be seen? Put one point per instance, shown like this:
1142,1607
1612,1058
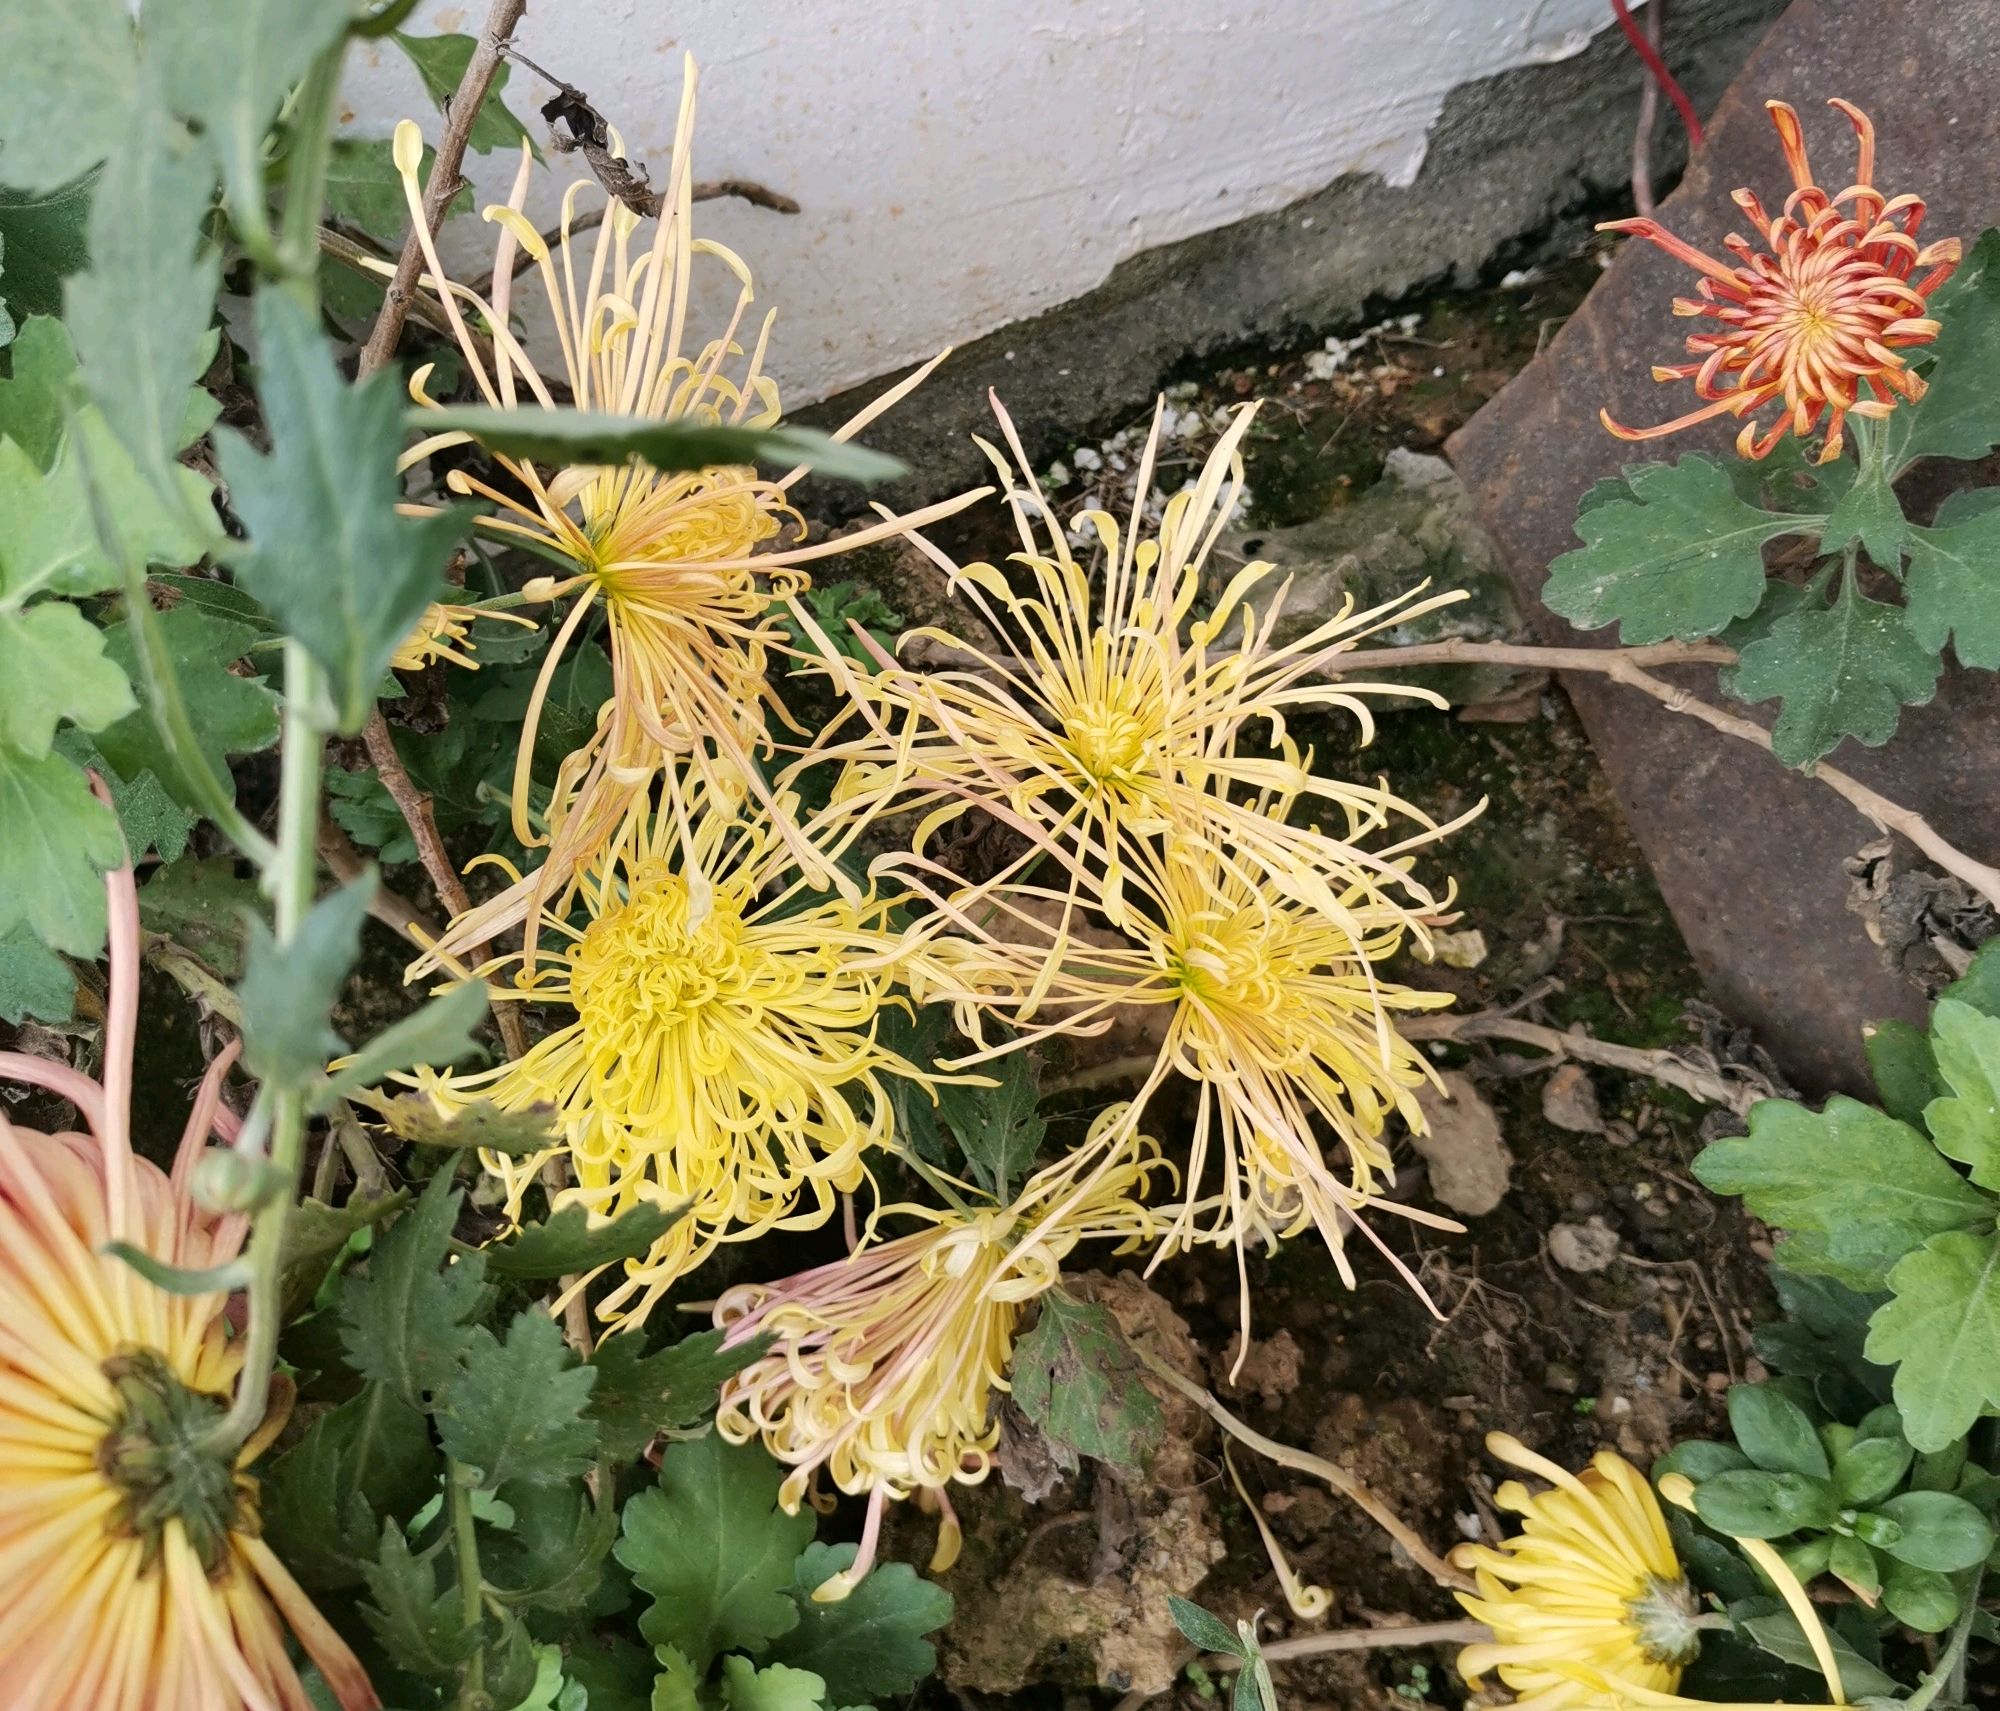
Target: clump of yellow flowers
729,923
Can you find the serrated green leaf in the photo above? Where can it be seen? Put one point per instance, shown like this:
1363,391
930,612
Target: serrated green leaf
231,715
76,58
1682,557
139,315
774,1687
34,981
999,1129
518,1410
323,1500
439,1033
640,1395
422,1629
1942,1334
56,840
151,819
228,64
328,555
1845,670
1870,513
479,1125
315,1235
677,1686
869,1646
41,390
1904,1068
1940,1531
201,904
42,241
713,1550
573,1241
402,1315
1959,414
1775,1432
364,189
288,989
1952,589
1868,1187
1076,1379
582,436
1966,1125
53,663
441,61
553,1557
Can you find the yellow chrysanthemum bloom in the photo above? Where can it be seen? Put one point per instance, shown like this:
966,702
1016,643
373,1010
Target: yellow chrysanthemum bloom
887,1362
677,562
445,632
135,1577
724,1052
1109,715
1588,1597
1278,1016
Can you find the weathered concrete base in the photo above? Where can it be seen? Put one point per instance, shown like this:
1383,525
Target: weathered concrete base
1508,158
1751,857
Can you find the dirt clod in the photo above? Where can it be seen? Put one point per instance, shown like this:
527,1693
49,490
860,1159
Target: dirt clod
1469,1163
1587,1247
1569,1100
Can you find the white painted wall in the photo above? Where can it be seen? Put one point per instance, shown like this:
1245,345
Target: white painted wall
963,165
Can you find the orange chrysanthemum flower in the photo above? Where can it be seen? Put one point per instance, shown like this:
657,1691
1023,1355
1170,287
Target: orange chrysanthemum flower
135,1578
1819,317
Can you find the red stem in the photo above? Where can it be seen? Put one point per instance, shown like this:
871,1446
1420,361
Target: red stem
1658,68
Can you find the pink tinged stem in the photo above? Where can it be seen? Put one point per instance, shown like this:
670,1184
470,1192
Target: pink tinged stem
205,1118
59,1079
121,1030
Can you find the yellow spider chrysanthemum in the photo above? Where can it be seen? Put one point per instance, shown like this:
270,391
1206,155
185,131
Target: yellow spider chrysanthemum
1278,1016
887,1362
677,562
724,1052
1113,713
440,632
135,1577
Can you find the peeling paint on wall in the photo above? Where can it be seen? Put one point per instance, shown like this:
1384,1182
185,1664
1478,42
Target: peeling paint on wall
962,167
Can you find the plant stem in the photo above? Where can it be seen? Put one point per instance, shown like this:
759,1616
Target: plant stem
465,1553
1948,1677
289,879
305,187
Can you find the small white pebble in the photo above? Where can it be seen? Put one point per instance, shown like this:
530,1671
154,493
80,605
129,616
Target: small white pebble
1058,472
1438,372
1089,458
1468,1524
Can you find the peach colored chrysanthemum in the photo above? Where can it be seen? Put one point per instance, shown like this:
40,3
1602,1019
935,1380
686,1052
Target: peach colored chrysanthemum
1817,315
686,567
134,1576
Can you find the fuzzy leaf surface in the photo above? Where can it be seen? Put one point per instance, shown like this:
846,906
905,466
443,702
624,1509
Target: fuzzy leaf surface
1076,1379
402,1315
1952,585
1959,414
1942,1334
518,1410
570,1242
869,1647
56,840
639,1395
1966,1125
288,990
53,663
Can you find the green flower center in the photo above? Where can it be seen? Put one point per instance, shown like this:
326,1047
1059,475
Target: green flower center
154,1455
1666,1619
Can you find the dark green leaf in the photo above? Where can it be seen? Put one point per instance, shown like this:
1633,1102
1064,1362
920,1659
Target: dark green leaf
324,1499
56,840
1779,1634
41,241
1699,1459
231,715
34,981
553,1557
39,395
402,1315
1870,1470
422,1629
713,1550
364,189
76,58
328,555
1942,1334
518,1411
869,1646
775,1687
999,1129
439,1033
1870,513
638,1395
150,818
571,1242
1966,1125
1203,1628
1919,1598
518,1133
1682,556
1774,1432
1953,589
1959,415
316,1234
52,661
1979,985
1940,1531
1854,1565
1758,1505
1845,670
1076,1379
1905,1071
288,989
441,62
1867,1188
579,436
201,903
